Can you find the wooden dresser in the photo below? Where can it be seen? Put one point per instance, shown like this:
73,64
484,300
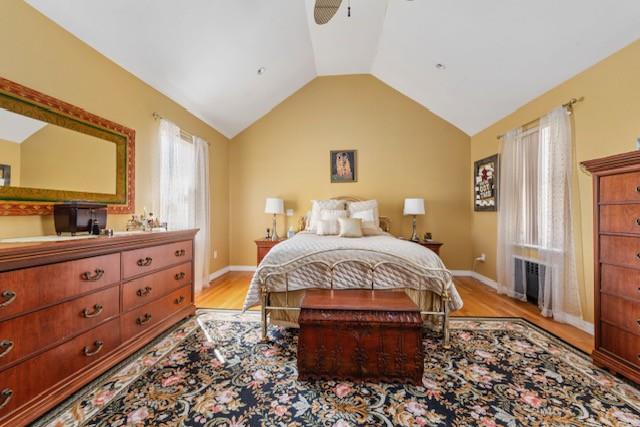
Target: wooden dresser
616,195
71,310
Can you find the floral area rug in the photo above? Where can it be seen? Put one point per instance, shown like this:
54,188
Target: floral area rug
214,371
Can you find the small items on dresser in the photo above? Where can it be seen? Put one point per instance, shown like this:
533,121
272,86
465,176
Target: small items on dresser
616,231
144,222
79,217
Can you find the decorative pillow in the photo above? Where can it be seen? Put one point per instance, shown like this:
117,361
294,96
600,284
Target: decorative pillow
355,207
329,221
327,228
317,207
350,227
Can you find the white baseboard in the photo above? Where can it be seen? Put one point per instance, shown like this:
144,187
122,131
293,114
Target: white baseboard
242,268
483,279
578,323
229,268
218,273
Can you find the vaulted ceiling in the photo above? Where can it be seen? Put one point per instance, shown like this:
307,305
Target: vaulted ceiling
496,54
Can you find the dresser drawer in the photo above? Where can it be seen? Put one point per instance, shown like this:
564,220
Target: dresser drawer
620,218
26,380
150,259
624,282
624,187
153,286
32,288
621,313
620,343
142,318
620,250
24,335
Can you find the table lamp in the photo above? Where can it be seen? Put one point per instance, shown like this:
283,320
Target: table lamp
276,207
414,207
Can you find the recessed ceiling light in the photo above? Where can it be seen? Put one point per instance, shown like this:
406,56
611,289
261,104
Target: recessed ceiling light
261,71
440,66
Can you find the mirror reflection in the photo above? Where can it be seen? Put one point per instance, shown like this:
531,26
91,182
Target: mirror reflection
37,154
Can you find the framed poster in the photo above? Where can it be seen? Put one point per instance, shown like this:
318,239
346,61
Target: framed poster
5,175
485,183
343,166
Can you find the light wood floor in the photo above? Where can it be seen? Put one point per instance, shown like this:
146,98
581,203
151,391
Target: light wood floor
229,290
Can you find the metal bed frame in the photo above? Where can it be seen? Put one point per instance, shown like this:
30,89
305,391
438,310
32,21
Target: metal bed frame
441,275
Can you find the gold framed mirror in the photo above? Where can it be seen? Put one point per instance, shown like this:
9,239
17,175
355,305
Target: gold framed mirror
52,152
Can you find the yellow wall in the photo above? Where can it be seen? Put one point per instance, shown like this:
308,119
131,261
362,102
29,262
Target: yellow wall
38,53
57,158
10,155
403,151
607,122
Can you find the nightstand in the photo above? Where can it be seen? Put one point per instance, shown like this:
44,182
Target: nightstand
264,246
431,244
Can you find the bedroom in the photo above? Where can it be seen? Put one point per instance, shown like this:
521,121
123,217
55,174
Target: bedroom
266,108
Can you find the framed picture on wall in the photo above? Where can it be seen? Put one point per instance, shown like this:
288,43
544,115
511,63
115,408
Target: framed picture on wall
485,183
343,165
5,175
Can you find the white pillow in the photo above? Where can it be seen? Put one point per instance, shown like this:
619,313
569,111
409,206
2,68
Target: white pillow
328,223
355,207
327,228
350,227
368,218
317,207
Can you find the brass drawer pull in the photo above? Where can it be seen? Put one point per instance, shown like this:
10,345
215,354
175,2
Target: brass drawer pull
98,347
181,252
6,394
97,309
6,347
144,292
638,189
9,297
144,262
143,319
638,255
180,299
88,277
180,276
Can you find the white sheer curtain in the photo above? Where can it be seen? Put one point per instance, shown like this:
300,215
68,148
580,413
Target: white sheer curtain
535,218
184,191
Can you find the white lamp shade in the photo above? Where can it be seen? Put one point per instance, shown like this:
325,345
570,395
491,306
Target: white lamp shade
274,206
414,206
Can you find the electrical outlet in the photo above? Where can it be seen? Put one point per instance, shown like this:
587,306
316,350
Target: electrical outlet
215,254
482,257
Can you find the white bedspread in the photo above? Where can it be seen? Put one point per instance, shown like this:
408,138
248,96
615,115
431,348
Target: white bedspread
305,247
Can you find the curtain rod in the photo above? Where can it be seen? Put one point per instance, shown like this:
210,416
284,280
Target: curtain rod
157,116
568,105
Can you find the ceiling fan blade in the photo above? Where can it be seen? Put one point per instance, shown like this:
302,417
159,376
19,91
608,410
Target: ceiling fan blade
325,10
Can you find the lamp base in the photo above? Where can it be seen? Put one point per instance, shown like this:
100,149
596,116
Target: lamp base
414,236
274,234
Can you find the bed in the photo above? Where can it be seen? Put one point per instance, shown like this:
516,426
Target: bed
380,262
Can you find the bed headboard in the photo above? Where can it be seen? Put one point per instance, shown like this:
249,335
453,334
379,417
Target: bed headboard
385,221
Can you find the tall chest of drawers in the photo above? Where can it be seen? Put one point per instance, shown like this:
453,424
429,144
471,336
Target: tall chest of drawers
71,310
616,190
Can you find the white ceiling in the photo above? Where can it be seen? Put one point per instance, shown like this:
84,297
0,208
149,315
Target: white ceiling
204,54
16,128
